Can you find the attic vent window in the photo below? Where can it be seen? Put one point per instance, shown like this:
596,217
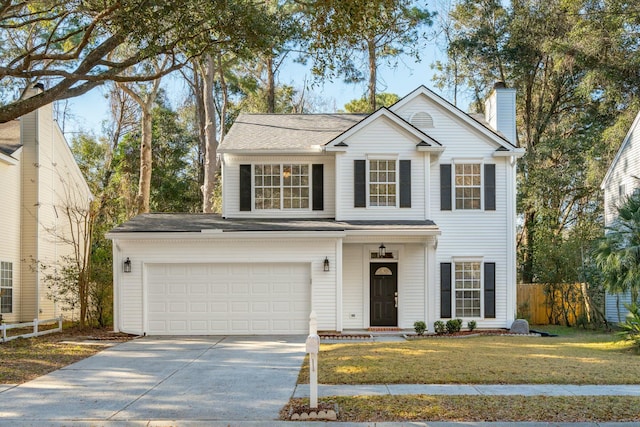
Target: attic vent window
422,120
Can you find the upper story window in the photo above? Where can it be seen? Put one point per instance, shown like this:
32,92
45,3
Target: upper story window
468,189
382,183
281,186
6,287
468,185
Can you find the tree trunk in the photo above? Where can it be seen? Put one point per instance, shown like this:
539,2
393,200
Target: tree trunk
271,86
211,145
527,243
224,92
144,185
373,68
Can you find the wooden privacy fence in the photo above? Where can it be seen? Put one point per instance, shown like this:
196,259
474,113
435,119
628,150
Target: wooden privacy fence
35,324
544,304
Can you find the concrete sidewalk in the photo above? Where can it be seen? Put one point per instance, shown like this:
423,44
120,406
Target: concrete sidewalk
302,390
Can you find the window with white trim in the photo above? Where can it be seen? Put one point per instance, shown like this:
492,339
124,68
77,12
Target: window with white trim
6,287
468,287
468,186
382,182
281,186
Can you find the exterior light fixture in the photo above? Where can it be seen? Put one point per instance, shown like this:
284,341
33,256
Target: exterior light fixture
382,251
326,264
126,265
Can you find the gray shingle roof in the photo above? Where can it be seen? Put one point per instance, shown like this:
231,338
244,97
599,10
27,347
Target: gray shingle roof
9,137
286,131
182,223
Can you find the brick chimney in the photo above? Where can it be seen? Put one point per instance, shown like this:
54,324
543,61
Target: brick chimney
500,111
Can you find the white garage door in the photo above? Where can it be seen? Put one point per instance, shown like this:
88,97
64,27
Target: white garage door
216,299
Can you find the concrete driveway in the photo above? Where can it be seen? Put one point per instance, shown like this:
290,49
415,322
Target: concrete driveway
174,378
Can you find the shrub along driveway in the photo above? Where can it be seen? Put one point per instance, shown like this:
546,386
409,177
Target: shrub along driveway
209,378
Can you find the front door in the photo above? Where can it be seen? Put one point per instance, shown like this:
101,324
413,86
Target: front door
384,294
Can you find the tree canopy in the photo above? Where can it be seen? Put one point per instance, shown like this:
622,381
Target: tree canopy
75,45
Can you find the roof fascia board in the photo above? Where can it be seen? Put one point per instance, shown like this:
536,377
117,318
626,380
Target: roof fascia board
625,142
221,234
454,111
10,160
516,152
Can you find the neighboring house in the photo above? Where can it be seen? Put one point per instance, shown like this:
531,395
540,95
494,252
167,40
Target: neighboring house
621,181
39,179
371,221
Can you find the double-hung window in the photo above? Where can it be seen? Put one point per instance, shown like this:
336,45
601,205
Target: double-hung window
6,287
468,289
281,186
467,285
382,183
468,186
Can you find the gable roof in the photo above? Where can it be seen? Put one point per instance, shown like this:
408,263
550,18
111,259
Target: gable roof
423,138
285,132
479,125
635,125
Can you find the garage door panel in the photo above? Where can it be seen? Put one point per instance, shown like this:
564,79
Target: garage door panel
201,299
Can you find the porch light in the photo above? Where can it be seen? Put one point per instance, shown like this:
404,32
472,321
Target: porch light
382,251
326,264
126,265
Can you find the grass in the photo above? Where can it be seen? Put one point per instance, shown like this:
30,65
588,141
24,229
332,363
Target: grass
575,357
26,359
482,408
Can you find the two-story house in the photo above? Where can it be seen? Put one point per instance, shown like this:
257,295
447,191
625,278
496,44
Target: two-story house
39,180
621,181
371,221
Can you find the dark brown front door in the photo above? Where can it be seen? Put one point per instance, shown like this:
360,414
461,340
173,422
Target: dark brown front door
384,294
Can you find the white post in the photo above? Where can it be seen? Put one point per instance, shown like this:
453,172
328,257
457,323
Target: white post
60,323
313,347
35,327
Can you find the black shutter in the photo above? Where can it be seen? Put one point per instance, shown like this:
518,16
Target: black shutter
489,187
405,183
245,187
359,184
490,290
445,187
445,290
317,175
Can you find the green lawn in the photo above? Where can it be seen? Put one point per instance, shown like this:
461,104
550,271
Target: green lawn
575,358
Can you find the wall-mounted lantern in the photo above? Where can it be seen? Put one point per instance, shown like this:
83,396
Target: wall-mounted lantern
382,251
126,265
326,264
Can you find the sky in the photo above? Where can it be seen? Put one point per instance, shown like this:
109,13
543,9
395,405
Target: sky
90,110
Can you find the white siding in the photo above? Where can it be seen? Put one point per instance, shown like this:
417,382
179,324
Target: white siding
467,233
131,286
412,284
10,183
51,183
231,182
622,176
385,139
353,284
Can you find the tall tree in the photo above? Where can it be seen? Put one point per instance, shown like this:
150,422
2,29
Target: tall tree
67,43
374,30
